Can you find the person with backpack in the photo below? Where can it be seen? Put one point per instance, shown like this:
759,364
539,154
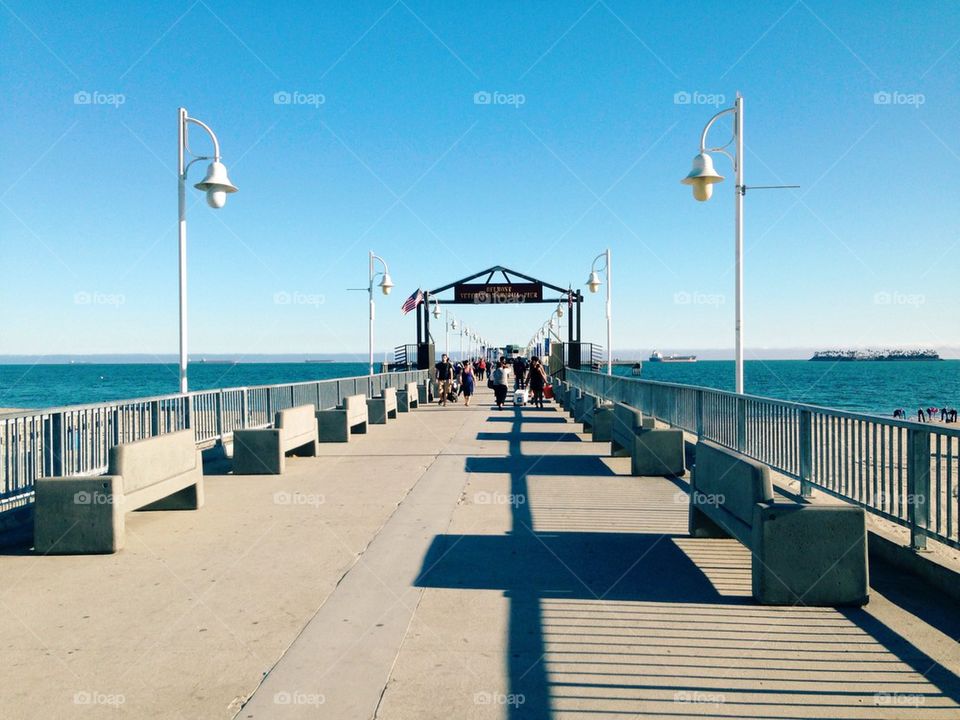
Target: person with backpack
499,378
519,373
444,377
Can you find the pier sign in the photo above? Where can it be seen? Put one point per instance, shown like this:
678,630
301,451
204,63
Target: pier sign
497,293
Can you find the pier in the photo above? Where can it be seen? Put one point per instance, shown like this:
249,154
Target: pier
455,563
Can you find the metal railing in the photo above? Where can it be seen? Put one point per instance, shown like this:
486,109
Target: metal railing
76,440
905,472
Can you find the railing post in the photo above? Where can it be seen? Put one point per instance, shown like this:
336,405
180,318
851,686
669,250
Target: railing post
741,424
699,414
270,406
154,418
244,409
56,443
219,400
918,486
188,413
806,452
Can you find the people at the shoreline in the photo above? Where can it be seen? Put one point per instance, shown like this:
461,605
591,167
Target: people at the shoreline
931,414
444,377
536,380
499,377
467,383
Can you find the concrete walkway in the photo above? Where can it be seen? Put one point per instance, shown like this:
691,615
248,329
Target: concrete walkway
457,563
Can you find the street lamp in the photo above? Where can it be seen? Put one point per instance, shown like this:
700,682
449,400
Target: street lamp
593,284
216,185
702,178
385,285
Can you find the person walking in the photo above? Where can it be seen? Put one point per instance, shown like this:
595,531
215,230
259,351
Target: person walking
536,380
444,377
481,369
500,376
467,383
519,373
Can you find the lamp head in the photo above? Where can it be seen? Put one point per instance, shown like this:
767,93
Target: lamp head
216,185
593,282
453,324
386,284
559,311
702,177
436,311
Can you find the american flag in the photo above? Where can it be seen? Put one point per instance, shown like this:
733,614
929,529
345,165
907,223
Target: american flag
411,302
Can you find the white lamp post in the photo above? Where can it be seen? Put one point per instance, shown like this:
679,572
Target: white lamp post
216,185
702,178
385,285
593,284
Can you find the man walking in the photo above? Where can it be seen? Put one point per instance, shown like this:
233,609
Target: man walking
444,375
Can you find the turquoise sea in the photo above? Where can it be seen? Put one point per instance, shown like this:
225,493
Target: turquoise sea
875,387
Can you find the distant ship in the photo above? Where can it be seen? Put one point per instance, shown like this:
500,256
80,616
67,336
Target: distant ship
658,356
852,355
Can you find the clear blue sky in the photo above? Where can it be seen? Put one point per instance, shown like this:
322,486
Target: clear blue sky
400,159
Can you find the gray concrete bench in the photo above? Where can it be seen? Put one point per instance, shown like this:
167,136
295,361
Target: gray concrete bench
597,419
263,452
583,406
408,397
572,398
383,408
801,554
426,392
651,451
350,418
86,514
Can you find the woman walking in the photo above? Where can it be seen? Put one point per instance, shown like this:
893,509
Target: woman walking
467,382
536,380
499,378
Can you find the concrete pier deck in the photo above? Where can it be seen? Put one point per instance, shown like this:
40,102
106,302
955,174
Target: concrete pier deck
456,563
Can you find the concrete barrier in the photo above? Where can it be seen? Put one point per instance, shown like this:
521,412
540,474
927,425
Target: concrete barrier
652,451
626,423
573,398
383,408
583,406
263,452
598,421
408,397
339,423
427,391
809,554
76,515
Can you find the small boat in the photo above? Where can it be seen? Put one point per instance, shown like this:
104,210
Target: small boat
658,356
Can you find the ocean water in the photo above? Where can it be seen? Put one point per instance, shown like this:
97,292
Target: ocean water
874,387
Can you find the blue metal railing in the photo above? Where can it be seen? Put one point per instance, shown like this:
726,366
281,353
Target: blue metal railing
905,472
76,440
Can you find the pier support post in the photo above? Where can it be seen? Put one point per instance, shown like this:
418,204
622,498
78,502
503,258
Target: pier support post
918,486
806,453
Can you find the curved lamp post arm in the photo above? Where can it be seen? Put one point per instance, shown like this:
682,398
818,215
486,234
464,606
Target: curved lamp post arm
213,137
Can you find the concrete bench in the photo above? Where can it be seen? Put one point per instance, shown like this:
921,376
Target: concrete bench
426,392
383,408
86,514
572,397
583,406
598,419
349,418
652,451
263,452
801,554
408,397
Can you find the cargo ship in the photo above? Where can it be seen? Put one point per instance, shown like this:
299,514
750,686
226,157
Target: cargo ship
854,355
658,356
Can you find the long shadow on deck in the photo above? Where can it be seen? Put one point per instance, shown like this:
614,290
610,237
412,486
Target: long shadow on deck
622,657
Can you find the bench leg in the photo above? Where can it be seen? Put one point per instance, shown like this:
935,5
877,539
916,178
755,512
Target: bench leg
78,515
